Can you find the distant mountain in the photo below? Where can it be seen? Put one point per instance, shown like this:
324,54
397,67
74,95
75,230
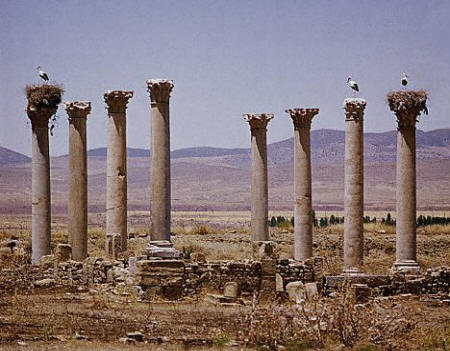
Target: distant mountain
207,151
9,157
131,152
327,145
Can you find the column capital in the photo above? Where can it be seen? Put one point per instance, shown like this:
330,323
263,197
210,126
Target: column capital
117,100
43,101
77,109
354,109
259,120
159,90
407,106
302,117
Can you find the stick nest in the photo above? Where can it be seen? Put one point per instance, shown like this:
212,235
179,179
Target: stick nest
403,101
44,96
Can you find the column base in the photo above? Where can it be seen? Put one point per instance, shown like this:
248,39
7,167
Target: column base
406,266
352,272
262,250
162,249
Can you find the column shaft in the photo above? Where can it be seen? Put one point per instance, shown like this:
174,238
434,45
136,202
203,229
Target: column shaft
302,192
354,186
406,194
160,172
116,181
259,187
354,192
407,105
40,188
77,188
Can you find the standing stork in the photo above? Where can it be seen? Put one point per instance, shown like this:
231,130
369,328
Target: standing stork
42,74
353,85
404,80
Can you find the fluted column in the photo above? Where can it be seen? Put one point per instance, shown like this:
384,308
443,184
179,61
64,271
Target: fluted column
42,105
77,228
354,185
116,181
259,187
302,118
407,106
159,90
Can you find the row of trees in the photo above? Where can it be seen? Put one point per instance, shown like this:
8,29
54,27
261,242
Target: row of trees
283,222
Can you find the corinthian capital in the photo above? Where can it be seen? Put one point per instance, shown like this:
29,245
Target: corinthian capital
117,100
354,109
159,90
407,106
302,117
77,109
258,121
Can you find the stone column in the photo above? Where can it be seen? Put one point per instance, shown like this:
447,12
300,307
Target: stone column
259,188
39,112
407,106
159,90
77,228
116,181
354,186
302,118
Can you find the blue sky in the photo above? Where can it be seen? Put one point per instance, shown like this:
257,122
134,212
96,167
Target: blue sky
226,58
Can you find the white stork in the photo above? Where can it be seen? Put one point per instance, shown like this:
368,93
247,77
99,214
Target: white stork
42,73
404,80
353,85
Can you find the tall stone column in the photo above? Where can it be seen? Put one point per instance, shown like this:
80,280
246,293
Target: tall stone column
159,90
407,106
116,181
42,105
259,187
77,228
354,186
302,118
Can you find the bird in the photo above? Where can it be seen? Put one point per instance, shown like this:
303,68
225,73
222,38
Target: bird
42,73
352,84
404,80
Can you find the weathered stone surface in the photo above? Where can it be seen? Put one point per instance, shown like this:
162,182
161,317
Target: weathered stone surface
113,244
302,118
138,336
63,252
263,250
222,300
311,290
160,203
354,185
116,165
407,106
45,283
259,184
296,291
231,289
279,287
162,249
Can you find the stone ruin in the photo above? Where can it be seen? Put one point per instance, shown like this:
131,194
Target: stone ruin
161,272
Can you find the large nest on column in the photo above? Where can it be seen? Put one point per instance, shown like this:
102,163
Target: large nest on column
45,96
401,101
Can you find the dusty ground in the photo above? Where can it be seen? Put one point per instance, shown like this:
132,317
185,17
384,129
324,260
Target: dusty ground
49,320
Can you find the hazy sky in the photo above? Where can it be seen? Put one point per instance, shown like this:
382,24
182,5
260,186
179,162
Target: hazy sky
226,58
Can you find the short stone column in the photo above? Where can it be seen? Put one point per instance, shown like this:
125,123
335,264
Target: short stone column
259,186
303,241
159,90
407,106
354,186
42,105
116,169
77,208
